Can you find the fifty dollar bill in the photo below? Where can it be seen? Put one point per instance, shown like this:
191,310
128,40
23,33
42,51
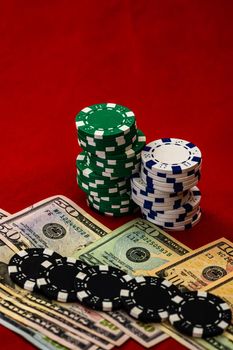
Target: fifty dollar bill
137,248
59,224
207,268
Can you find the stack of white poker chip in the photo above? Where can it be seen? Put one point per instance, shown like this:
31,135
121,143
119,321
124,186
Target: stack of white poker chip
166,188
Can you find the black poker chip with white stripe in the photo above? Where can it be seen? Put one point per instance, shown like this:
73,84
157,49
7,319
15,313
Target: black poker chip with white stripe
200,314
24,266
56,279
148,299
98,287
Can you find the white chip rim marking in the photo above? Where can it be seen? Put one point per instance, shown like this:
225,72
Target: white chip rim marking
48,252
223,324
124,293
135,311
174,318
103,267
22,253
12,269
177,299
46,264
29,285
140,279
166,283
197,332
82,295
62,296
81,275
41,282
127,278
107,306
163,315
86,109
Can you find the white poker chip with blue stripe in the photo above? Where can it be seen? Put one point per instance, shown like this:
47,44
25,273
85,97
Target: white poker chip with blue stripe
157,208
171,179
160,207
171,186
171,156
169,223
138,183
164,176
194,222
176,217
137,193
192,203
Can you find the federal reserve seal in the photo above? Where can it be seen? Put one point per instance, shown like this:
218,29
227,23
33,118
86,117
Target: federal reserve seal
213,273
138,254
54,231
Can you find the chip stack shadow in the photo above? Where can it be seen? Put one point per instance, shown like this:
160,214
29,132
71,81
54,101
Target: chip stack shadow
112,147
166,188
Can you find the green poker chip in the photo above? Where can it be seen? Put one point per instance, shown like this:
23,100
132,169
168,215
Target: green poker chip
114,184
83,166
110,150
114,163
101,191
121,163
119,141
117,172
129,153
106,120
108,212
122,200
112,147
117,169
89,186
109,204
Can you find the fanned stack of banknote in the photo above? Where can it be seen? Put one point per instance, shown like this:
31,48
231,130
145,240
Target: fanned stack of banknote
139,248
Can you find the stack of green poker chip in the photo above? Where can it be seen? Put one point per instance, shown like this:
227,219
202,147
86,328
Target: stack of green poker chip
112,147
121,143
112,210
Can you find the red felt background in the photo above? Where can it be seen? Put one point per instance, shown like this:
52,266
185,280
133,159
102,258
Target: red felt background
169,61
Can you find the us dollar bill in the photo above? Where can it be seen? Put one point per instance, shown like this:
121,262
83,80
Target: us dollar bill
215,343
137,248
36,338
56,223
200,267
52,317
37,322
15,305
14,309
30,224
224,289
3,214
29,334
207,268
